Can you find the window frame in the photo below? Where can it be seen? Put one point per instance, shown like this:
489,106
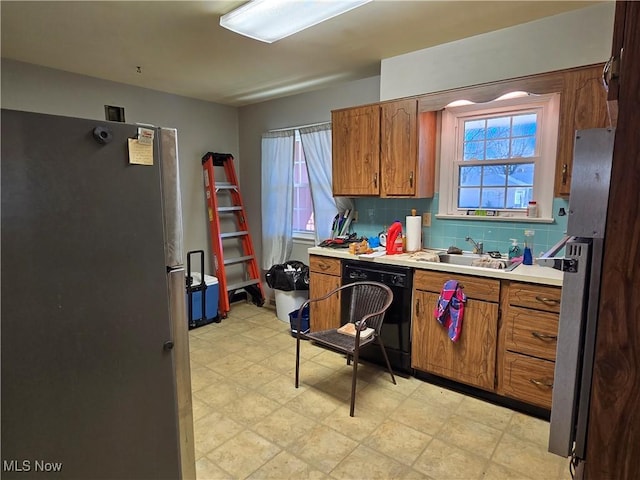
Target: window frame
451,140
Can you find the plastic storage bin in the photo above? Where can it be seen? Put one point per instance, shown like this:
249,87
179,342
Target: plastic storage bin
304,321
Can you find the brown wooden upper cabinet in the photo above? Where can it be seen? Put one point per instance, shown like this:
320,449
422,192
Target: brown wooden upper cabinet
385,150
356,151
583,105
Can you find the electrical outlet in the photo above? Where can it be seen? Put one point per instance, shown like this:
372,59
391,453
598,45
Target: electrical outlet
426,219
355,216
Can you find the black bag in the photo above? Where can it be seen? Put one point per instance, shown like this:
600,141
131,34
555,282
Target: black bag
293,275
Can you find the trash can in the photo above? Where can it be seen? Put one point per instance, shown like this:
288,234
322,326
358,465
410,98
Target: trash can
290,282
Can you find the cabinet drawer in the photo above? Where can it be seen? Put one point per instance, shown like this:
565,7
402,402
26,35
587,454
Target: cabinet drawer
532,332
528,379
319,264
486,289
539,297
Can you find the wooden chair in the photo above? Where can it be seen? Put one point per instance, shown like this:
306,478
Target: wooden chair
368,303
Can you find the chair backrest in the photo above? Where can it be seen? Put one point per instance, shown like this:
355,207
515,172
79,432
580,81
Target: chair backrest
369,301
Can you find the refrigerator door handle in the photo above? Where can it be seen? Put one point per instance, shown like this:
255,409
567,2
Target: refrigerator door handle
171,196
178,347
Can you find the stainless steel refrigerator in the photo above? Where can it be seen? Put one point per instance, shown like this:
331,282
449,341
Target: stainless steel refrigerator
95,361
580,292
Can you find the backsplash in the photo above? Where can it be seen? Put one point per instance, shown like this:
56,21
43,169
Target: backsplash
374,214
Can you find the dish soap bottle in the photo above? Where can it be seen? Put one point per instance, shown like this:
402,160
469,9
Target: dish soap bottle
394,238
528,247
514,251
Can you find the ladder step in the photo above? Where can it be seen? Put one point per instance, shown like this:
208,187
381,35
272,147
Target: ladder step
226,186
234,234
246,283
231,261
217,159
228,209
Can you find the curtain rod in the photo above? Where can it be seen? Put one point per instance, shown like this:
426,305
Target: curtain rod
298,127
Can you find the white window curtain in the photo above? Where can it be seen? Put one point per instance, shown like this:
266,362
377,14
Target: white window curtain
277,197
316,143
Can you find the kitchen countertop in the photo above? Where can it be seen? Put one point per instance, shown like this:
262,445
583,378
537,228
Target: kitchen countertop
522,273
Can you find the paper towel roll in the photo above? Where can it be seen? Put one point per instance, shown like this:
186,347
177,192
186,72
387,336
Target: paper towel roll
414,233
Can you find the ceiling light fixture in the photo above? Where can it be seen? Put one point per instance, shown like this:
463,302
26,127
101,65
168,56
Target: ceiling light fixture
272,20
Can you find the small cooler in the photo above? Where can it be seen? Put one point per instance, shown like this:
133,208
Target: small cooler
200,313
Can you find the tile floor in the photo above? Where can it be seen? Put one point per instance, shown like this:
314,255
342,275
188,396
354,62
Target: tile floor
250,421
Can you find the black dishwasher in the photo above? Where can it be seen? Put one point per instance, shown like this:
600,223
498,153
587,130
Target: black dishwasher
396,329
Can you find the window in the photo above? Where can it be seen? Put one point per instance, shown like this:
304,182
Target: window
303,222
498,156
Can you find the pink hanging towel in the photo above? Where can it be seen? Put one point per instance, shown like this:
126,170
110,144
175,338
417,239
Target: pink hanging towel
450,308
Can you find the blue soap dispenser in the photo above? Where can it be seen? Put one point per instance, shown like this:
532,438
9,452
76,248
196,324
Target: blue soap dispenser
528,247
514,250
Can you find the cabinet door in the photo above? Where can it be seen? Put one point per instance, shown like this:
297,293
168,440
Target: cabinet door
356,151
584,106
325,314
470,360
399,148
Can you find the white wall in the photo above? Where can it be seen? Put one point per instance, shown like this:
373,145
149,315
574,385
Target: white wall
579,37
202,126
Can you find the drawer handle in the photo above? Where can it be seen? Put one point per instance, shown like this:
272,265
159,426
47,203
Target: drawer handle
375,180
542,383
544,337
551,302
323,266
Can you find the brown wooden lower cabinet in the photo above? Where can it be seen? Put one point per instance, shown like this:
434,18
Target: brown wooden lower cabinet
324,276
470,360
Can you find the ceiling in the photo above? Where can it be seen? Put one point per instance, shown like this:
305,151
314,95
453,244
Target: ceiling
181,49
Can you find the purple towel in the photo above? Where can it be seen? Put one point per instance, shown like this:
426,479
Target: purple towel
449,310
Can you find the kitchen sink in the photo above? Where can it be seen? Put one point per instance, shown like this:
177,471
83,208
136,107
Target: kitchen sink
475,260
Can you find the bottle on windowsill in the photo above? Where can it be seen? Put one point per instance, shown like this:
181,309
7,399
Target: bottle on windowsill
532,209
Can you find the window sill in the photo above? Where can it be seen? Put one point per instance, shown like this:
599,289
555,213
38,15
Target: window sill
309,238
495,219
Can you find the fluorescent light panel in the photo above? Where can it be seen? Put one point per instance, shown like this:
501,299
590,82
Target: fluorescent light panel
272,20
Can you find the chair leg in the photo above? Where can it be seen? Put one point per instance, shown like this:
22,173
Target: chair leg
348,359
297,357
386,359
353,383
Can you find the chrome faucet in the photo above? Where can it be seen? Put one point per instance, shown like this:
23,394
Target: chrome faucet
477,246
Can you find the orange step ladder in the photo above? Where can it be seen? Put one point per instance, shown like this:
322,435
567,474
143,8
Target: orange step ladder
224,203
